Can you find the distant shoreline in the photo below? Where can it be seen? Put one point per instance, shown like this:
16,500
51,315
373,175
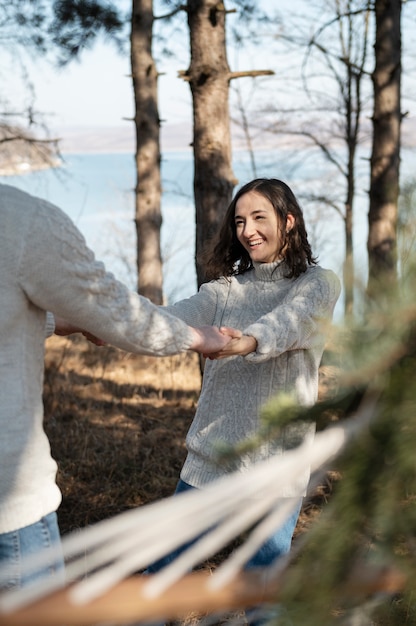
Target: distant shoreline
174,138
118,139
20,168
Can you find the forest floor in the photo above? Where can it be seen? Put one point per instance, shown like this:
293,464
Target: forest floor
117,424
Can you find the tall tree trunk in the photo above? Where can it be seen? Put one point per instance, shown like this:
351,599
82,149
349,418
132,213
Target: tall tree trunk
148,215
209,77
352,118
385,158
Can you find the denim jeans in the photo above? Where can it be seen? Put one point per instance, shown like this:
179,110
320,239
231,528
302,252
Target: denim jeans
17,545
277,545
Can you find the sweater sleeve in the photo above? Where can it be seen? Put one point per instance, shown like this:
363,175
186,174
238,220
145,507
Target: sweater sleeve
59,273
299,322
201,308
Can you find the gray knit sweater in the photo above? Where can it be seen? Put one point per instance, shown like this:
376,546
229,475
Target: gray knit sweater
45,265
288,318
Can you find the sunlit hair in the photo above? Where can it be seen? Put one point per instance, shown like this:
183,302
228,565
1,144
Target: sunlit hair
226,256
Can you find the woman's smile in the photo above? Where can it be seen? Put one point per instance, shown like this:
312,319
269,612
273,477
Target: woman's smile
257,228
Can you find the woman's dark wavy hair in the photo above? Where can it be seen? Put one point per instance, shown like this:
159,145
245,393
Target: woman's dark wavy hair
225,256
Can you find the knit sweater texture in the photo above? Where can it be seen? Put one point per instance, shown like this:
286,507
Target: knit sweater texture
289,318
46,266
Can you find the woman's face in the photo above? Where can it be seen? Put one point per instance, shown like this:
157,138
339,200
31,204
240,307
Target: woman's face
257,227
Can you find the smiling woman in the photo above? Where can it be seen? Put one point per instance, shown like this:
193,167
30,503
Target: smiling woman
264,223
258,229
267,285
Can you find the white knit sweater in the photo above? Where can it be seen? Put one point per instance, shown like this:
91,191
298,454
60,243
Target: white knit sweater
46,266
288,318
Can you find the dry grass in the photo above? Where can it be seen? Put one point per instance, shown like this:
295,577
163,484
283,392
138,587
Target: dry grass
117,424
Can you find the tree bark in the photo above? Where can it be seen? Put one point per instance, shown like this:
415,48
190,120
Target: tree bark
353,103
148,216
209,78
385,158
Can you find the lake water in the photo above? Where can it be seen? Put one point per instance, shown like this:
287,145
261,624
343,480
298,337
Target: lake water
96,191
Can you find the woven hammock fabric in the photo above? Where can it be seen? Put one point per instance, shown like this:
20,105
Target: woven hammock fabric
99,557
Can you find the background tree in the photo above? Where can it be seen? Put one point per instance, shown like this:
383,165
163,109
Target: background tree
333,102
348,70
385,157
209,77
148,215
348,61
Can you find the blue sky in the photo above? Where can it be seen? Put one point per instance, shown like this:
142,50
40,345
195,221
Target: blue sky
97,91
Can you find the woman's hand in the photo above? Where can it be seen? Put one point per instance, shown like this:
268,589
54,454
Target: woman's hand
239,344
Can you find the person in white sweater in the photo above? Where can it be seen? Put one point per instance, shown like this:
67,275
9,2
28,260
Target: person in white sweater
47,267
266,283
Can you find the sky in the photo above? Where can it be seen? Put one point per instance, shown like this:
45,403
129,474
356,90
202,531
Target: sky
97,91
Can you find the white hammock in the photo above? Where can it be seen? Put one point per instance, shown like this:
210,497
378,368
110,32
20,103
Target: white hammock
99,557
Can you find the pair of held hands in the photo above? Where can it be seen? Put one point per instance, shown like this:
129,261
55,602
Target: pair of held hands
236,344
210,341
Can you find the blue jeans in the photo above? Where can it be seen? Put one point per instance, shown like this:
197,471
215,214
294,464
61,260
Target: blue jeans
277,545
19,544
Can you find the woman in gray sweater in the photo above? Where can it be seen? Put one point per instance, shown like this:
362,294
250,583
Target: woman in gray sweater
266,283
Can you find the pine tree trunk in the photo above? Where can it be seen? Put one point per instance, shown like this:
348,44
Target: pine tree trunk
148,215
209,77
385,158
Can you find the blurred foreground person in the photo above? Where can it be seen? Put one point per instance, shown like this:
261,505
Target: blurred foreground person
46,266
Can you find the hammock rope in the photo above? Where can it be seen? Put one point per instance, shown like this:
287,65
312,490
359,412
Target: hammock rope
101,558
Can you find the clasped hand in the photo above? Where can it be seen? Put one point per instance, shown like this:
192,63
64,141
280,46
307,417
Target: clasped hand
238,345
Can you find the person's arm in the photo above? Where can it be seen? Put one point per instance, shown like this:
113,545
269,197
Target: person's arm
207,339
64,328
298,323
301,321
59,273
200,309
